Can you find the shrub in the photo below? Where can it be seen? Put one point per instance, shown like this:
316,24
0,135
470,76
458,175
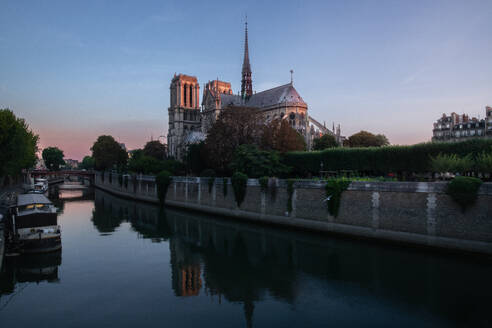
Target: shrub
484,162
263,183
464,190
290,192
162,180
334,189
239,184
443,163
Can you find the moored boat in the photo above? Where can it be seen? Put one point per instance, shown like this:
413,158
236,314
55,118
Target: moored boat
40,186
32,225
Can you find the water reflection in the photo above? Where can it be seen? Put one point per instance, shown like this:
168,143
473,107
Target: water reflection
247,264
32,268
61,196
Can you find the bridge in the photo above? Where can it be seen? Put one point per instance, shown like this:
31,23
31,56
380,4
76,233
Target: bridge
62,174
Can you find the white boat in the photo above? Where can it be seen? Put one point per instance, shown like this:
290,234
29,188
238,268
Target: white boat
40,186
32,224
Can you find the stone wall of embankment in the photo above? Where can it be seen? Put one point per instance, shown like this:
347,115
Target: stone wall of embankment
417,213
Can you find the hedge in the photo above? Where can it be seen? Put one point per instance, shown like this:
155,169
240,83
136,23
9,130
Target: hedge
382,160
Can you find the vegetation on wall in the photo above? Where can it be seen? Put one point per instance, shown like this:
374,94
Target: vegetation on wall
210,175
239,183
463,190
290,193
334,189
263,183
163,180
382,160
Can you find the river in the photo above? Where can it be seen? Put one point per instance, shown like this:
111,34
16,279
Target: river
129,264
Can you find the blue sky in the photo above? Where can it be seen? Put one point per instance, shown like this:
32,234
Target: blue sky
78,69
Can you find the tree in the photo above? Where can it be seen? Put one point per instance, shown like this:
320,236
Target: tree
18,145
53,158
367,139
155,149
87,163
326,141
195,158
107,153
249,159
279,135
234,127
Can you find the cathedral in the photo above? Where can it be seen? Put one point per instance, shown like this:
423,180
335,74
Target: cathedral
189,122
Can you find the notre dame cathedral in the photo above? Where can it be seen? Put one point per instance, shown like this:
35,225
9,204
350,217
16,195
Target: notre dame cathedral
188,123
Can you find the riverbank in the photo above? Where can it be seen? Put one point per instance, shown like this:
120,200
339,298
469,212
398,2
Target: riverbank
416,213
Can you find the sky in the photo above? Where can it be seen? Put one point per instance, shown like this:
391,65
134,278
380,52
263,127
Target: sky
79,69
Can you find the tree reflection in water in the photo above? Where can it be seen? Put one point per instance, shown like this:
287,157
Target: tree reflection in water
245,263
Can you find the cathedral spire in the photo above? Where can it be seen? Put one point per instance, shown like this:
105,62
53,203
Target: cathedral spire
246,82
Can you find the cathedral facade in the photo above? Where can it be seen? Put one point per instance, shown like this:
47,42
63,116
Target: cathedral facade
189,124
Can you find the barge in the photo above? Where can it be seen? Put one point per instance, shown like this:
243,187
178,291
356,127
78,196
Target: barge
31,226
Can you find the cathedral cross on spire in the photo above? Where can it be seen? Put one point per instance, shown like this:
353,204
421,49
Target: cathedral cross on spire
246,82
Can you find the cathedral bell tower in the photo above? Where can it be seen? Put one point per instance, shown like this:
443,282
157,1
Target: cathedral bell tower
246,82
184,112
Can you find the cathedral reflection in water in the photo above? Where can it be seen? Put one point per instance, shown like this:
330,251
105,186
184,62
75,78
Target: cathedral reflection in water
246,263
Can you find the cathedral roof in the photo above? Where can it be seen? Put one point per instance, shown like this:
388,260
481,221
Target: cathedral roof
284,94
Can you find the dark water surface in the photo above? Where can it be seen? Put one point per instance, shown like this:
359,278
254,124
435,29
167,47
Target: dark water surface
126,264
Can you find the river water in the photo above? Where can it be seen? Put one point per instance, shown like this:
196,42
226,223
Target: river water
129,264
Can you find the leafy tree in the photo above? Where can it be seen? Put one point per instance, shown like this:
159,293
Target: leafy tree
53,158
196,158
257,163
87,163
279,135
149,165
155,149
235,126
367,139
107,153
18,145
326,141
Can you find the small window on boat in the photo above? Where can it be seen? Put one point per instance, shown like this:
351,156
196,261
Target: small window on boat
31,206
